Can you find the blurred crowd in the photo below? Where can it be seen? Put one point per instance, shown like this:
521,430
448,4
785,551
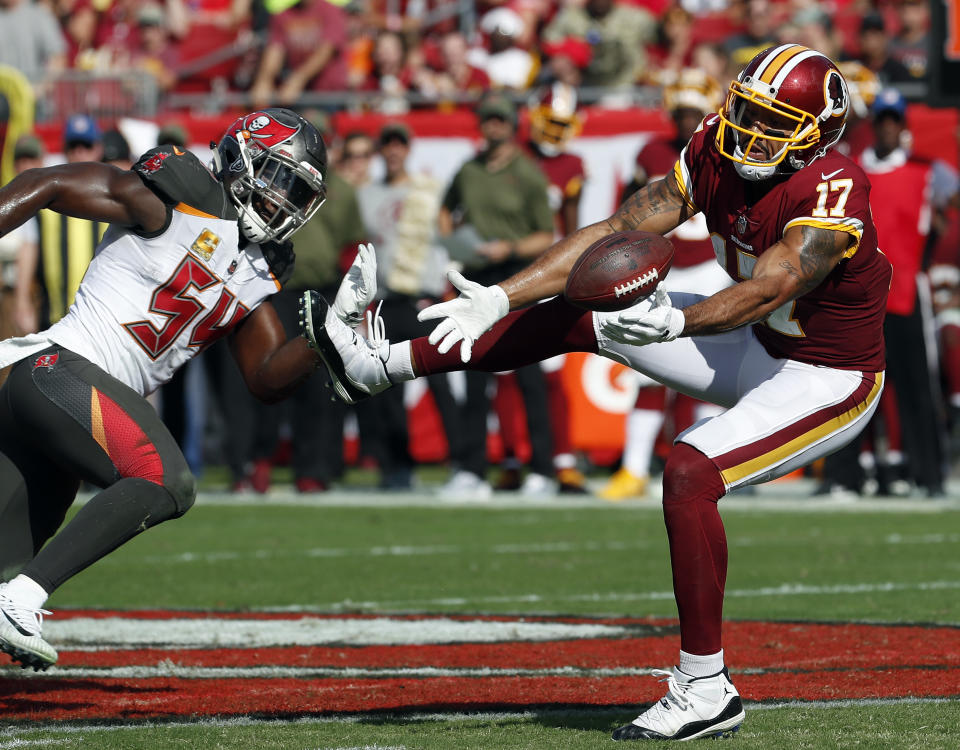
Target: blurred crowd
410,53
502,208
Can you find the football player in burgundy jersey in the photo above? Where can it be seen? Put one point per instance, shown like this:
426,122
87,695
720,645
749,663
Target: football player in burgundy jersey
190,256
794,349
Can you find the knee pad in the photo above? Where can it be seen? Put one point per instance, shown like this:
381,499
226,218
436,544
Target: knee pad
183,490
689,475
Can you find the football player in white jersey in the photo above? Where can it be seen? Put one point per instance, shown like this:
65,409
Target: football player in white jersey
191,255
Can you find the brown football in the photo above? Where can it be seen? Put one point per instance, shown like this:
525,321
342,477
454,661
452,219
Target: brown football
619,270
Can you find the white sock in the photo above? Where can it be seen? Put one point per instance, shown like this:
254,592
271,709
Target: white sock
26,592
643,426
399,364
564,461
696,665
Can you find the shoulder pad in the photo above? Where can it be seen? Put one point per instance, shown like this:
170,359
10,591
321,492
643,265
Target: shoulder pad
178,176
280,258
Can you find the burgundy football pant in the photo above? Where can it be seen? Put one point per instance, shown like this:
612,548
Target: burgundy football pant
692,485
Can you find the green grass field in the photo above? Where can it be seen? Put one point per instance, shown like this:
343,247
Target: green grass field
791,560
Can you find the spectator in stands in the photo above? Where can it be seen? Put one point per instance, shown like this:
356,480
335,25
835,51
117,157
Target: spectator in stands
356,154
457,78
875,51
31,40
812,27
566,61
205,28
712,59
911,44
116,150
400,215
674,44
505,63
389,74
18,256
759,33
79,20
497,203
155,52
617,34
305,52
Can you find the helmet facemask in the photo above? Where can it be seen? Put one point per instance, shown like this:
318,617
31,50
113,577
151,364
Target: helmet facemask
757,132
275,194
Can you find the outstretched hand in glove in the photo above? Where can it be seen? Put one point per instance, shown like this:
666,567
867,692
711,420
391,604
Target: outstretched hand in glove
467,317
649,321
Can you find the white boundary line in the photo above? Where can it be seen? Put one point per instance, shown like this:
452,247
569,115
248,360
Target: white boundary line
793,496
244,721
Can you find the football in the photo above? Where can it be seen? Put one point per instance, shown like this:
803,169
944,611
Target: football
619,270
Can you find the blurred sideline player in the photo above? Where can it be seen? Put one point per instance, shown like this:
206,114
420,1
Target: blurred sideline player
793,350
689,96
553,124
190,256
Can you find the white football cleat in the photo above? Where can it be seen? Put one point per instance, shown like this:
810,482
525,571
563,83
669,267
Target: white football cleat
465,485
20,629
693,707
355,365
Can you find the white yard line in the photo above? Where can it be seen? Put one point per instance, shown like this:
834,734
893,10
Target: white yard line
786,589
795,496
777,501
113,632
428,550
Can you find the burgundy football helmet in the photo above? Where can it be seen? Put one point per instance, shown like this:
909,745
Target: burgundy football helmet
553,118
784,110
273,165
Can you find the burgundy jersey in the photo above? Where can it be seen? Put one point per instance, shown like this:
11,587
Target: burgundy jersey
840,322
566,175
691,239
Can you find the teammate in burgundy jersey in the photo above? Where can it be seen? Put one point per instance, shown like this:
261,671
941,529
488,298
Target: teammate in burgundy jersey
190,256
793,350
553,124
689,96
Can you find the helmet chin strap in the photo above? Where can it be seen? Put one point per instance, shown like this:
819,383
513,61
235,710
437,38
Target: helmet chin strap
752,172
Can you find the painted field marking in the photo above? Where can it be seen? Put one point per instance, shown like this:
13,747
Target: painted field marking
796,496
170,669
428,550
86,632
786,589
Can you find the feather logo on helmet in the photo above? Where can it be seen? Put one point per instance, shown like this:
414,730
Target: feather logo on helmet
835,93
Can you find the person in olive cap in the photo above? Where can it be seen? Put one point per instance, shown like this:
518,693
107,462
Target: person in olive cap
116,150
500,198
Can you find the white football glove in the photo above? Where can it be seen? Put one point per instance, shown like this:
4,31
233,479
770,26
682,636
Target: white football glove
468,316
650,321
358,287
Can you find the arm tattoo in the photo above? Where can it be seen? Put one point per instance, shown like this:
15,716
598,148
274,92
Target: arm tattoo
658,197
820,252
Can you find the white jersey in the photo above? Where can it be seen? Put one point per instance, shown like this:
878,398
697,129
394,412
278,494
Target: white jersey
147,306
149,303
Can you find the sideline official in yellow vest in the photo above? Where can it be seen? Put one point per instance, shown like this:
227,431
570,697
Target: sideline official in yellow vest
67,243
